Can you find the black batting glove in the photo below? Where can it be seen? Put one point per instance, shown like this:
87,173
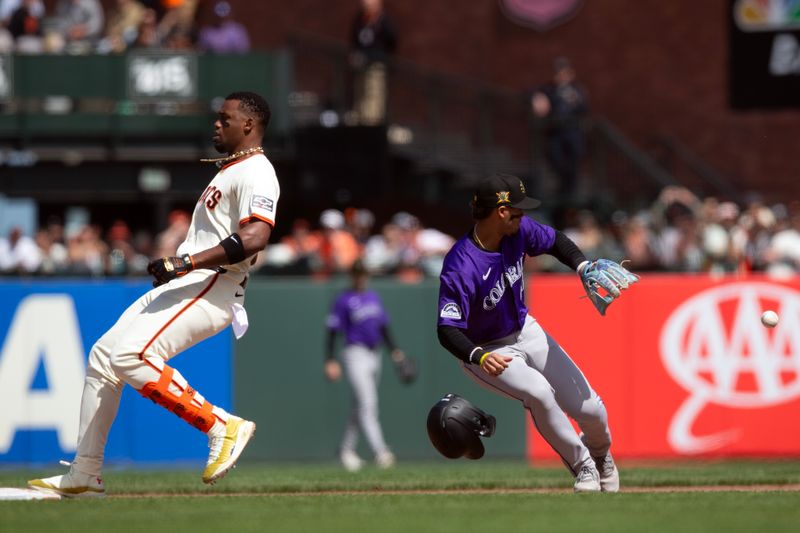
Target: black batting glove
166,269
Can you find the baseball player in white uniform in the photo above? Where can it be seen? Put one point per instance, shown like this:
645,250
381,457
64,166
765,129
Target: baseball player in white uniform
195,295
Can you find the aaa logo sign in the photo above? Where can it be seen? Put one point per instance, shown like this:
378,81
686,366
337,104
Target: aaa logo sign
715,347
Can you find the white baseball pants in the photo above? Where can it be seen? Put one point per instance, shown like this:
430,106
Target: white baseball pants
162,323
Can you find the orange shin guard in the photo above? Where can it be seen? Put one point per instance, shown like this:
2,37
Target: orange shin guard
181,402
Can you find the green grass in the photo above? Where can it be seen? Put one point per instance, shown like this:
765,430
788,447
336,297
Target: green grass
272,502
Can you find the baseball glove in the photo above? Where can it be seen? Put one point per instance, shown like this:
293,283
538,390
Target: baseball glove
166,269
405,367
609,276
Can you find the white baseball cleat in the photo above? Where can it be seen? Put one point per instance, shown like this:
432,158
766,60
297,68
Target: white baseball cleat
226,447
609,475
385,459
588,479
73,484
351,461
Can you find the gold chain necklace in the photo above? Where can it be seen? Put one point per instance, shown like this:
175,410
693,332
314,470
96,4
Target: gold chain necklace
477,239
221,161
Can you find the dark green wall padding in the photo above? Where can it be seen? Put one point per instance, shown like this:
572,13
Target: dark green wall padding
280,385
103,77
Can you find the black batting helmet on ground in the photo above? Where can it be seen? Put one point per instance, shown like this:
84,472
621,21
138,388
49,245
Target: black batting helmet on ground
455,427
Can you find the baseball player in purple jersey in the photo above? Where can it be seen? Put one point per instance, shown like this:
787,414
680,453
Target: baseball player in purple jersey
483,320
358,313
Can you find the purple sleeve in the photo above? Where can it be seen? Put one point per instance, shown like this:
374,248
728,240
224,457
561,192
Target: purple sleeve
453,300
337,317
538,237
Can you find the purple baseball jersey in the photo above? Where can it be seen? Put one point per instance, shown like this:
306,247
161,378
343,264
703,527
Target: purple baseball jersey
360,315
483,292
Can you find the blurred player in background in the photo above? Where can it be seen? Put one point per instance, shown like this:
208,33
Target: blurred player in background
484,321
196,295
359,315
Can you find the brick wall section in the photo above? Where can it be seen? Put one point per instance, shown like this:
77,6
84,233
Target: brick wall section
651,67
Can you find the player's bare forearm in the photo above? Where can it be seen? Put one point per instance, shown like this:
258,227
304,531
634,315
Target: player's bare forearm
254,237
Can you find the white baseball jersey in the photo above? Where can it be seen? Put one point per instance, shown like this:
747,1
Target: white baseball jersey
177,315
241,191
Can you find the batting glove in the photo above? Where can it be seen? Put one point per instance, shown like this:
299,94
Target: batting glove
168,268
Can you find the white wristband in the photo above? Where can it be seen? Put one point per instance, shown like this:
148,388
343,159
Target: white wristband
473,353
582,266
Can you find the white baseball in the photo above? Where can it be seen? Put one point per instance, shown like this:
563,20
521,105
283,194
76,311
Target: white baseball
769,319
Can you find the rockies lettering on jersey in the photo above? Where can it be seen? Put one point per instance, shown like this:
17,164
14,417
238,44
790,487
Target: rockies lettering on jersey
512,275
478,290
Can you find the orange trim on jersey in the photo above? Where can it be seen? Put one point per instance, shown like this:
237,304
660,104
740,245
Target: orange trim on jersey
257,217
179,313
223,167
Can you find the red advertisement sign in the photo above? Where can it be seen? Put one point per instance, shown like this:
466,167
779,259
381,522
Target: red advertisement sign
683,363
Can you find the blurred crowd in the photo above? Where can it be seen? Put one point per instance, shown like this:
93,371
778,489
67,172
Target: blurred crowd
679,232
83,26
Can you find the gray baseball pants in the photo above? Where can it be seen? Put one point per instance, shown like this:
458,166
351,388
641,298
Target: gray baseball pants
550,386
362,368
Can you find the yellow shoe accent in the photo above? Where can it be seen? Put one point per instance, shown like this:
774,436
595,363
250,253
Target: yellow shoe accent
226,449
71,485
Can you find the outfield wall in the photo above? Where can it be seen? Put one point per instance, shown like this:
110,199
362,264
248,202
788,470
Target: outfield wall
682,362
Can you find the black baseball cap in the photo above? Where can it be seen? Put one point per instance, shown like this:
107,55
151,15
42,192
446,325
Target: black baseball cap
503,189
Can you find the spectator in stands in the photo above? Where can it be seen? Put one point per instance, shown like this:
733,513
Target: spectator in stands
563,104
591,238
373,40
428,245
143,245
87,252
123,26
678,244
55,259
19,254
300,248
638,243
176,28
360,223
77,25
147,34
383,252
338,248
759,222
25,25
7,7
721,240
783,253
223,35
121,251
